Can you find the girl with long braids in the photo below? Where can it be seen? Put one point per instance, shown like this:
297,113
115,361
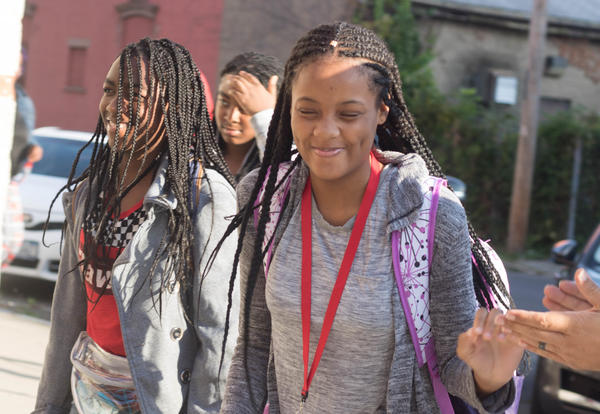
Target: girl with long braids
135,327
302,348
246,96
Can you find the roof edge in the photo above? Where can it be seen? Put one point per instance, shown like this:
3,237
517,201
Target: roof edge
510,19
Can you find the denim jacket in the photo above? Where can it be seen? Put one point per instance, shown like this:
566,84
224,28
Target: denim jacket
174,367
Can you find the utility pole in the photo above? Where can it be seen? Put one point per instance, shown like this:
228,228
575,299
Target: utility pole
574,188
524,165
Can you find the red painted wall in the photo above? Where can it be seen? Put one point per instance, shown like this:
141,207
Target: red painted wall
196,24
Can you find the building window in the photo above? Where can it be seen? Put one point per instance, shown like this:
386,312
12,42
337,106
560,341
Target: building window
505,89
137,20
136,28
496,86
76,65
550,106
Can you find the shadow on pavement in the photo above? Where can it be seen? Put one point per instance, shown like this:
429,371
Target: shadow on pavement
26,296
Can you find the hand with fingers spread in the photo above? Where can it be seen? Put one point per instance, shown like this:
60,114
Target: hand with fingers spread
569,335
250,95
487,351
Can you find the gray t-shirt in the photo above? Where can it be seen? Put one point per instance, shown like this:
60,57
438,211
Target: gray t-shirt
252,378
353,374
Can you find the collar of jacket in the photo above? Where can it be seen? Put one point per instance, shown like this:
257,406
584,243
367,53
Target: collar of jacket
156,194
402,185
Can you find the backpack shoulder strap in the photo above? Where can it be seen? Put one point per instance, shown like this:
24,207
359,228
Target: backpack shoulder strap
282,189
412,252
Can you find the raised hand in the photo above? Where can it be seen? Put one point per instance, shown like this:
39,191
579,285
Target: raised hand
487,351
250,95
569,337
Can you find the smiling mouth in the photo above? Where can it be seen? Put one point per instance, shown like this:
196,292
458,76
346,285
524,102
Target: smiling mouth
327,152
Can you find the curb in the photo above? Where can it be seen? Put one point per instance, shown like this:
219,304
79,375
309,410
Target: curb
534,267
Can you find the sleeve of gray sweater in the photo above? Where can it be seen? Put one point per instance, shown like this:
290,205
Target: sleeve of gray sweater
246,389
453,305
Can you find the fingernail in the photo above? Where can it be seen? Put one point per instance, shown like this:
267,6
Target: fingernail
582,275
478,330
510,316
487,335
506,330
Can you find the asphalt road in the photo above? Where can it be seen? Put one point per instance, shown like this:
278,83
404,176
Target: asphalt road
527,291
25,311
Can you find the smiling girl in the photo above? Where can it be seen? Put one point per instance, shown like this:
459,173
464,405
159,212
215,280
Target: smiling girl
323,331
134,328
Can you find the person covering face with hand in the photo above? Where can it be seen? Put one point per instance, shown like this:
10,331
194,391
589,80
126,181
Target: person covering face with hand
246,97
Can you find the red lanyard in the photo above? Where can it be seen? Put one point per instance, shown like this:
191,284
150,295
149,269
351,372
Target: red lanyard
340,282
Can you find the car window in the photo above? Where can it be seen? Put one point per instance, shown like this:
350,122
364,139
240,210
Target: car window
59,154
595,262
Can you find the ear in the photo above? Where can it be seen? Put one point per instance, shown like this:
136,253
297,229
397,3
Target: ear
382,113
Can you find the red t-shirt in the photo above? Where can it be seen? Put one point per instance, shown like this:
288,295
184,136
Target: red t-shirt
103,324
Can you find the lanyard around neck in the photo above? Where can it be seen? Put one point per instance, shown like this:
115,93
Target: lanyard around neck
340,283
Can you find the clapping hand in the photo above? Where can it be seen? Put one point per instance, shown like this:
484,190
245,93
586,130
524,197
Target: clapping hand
492,357
569,334
567,297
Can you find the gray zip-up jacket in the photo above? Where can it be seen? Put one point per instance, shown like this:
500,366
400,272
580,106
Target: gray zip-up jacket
452,305
174,366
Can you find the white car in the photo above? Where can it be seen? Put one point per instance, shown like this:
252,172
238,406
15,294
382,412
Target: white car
38,189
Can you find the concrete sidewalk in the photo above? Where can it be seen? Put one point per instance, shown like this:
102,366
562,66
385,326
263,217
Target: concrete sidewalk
22,348
533,267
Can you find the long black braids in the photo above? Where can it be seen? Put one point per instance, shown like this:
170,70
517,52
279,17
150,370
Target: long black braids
398,133
189,143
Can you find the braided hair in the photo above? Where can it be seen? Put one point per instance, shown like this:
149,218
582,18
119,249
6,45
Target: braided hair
398,133
187,141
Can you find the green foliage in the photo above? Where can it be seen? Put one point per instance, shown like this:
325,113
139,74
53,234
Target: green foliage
393,21
479,147
551,194
478,144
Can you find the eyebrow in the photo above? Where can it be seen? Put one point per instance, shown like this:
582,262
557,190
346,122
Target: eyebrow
350,101
110,82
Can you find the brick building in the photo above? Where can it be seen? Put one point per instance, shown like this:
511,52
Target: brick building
70,44
483,44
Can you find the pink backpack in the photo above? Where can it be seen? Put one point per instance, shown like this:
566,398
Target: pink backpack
412,251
